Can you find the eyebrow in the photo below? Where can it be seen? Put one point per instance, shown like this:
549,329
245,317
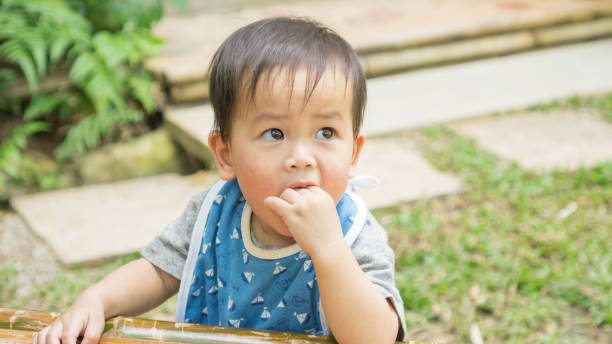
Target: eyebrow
272,116
330,115
268,117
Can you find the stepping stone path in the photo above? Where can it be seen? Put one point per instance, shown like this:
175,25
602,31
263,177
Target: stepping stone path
403,173
90,223
544,141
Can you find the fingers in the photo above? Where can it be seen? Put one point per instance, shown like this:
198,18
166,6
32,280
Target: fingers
50,334
41,336
69,329
93,331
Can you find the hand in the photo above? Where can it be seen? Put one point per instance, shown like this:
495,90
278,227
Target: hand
84,318
311,217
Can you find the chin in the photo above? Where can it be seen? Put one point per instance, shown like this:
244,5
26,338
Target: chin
282,229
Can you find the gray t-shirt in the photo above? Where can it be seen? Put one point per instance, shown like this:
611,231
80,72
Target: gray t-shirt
170,248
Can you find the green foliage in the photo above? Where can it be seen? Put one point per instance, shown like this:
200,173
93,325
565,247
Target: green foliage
99,45
12,164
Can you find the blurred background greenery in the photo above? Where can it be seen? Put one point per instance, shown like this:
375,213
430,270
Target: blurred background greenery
72,69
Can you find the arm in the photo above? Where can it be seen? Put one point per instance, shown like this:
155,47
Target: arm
132,289
355,310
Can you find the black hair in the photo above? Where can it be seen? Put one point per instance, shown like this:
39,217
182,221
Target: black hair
286,43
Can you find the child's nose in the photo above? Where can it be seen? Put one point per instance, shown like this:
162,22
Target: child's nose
300,157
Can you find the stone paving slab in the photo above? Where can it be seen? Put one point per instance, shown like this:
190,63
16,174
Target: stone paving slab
544,141
190,40
403,173
436,95
190,126
91,223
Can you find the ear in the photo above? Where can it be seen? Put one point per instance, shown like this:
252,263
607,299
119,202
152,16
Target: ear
221,152
357,146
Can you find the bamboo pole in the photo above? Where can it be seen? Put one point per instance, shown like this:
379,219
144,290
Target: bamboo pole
19,326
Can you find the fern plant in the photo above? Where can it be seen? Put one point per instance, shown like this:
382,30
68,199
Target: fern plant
98,46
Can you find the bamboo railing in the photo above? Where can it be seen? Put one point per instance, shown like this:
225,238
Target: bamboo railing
20,326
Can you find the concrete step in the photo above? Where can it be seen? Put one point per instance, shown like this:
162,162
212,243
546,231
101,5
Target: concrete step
544,141
189,126
389,35
442,94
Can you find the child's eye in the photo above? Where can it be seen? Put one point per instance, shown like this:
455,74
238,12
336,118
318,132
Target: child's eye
325,133
273,134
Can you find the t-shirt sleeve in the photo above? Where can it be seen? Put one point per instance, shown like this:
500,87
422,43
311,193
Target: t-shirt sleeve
376,259
168,251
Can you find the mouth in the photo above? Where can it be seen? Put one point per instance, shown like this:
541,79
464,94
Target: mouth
301,185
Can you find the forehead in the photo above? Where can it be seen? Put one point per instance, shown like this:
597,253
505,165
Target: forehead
297,88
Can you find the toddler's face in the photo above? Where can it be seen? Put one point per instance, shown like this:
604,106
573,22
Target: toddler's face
280,141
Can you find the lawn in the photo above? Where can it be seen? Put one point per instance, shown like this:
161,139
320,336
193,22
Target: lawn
525,256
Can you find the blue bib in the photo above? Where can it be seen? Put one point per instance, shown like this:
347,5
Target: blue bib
229,281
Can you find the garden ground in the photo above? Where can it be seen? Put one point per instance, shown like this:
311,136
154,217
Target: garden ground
523,255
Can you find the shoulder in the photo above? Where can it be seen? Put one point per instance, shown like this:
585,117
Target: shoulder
372,233
371,246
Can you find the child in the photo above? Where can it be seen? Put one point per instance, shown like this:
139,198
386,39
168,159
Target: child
279,243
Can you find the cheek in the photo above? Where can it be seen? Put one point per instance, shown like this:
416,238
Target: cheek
256,179
335,179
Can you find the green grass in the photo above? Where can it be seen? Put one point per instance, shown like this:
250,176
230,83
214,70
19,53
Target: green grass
503,255
55,294
600,104
526,256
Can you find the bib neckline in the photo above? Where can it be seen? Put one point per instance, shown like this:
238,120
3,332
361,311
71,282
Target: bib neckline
259,252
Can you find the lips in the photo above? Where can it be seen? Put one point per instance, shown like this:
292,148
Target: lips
300,185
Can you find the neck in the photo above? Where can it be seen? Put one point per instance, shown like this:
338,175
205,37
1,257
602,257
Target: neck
268,236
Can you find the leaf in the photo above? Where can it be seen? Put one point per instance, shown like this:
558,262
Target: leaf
58,12
145,45
42,104
82,67
88,133
114,50
14,52
31,128
11,22
128,116
35,42
142,91
19,138
58,48
85,134
101,90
